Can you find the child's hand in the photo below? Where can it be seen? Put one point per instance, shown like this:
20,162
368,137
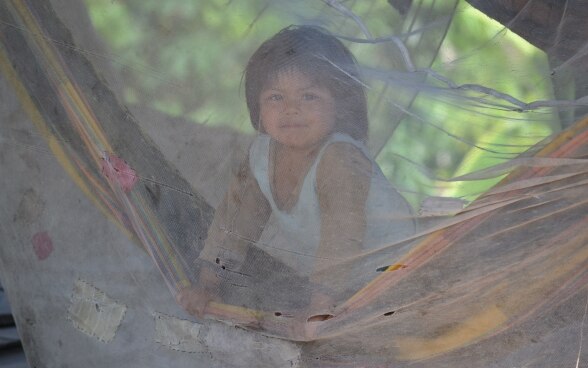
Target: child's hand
194,300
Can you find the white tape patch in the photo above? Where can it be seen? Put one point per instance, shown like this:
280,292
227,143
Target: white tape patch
94,313
178,334
233,346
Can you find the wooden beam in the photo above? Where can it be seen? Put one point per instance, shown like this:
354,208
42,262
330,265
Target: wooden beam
557,27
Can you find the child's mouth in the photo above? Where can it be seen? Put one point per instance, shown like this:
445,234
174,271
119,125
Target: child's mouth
293,126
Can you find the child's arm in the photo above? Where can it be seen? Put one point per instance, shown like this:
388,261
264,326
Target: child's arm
343,183
238,222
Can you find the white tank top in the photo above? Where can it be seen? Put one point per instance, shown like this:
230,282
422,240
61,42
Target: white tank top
293,236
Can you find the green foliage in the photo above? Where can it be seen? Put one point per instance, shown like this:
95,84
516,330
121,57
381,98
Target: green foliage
184,58
458,136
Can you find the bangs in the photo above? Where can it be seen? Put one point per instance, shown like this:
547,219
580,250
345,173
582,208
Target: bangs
320,76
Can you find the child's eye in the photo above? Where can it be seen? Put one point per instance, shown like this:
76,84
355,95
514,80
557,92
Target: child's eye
309,97
275,97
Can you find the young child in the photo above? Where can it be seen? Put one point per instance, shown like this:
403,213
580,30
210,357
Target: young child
308,195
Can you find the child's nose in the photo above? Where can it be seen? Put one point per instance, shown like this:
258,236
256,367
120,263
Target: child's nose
292,106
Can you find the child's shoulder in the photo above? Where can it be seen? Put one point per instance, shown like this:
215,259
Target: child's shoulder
342,147
343,150
342,157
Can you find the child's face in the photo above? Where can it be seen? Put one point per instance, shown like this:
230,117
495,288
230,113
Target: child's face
295,111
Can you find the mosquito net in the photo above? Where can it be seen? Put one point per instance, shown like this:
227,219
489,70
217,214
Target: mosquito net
271,183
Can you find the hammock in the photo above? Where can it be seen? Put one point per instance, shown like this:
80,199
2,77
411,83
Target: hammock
502,282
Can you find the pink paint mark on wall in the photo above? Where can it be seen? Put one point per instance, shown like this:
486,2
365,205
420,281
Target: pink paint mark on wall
42,244
115,168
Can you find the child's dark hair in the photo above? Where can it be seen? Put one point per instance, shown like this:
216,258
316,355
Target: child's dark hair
319,55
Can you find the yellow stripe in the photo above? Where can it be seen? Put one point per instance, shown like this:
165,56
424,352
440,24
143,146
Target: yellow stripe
37,35
40,124
56,66
184,281
568,257
473,328
89,117
78,127
395,267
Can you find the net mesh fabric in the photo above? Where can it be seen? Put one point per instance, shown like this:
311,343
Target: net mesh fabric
483,139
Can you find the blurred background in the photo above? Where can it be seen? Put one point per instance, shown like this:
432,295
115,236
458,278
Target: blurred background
185,59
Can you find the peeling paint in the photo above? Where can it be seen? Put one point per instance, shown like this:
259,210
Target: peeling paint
94,313
42,245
